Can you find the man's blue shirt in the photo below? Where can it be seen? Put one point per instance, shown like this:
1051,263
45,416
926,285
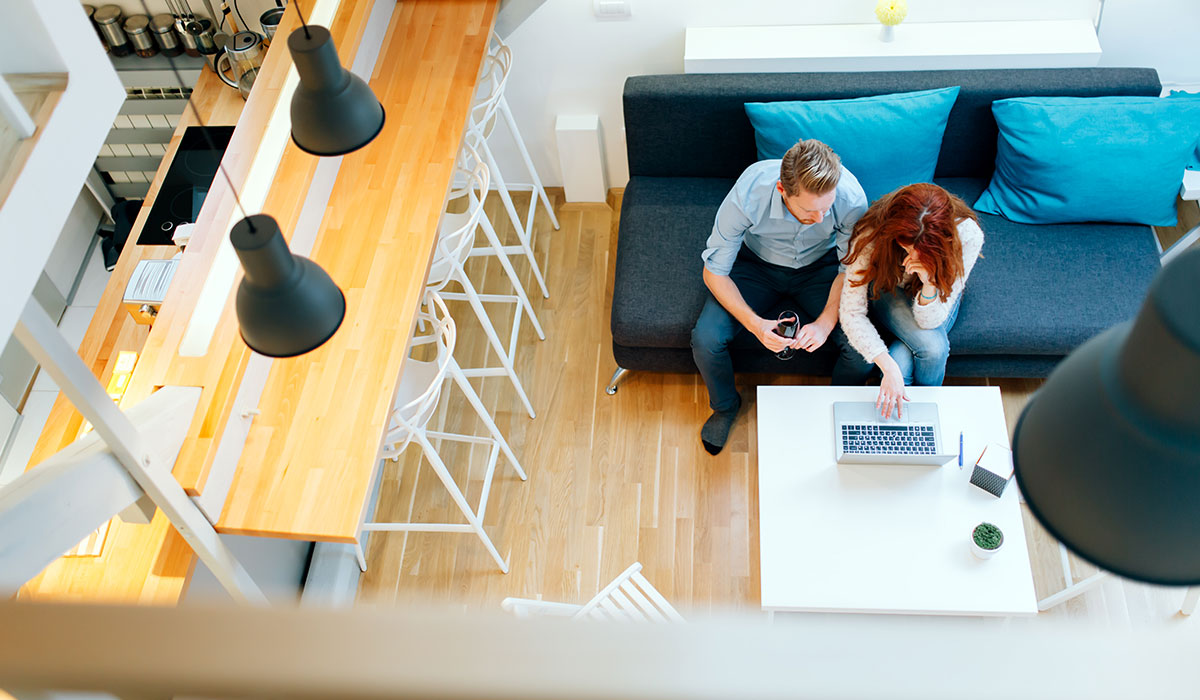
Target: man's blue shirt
753,213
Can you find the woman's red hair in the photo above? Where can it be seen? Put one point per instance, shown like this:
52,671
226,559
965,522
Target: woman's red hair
923,216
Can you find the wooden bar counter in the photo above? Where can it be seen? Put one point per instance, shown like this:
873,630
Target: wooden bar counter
308,464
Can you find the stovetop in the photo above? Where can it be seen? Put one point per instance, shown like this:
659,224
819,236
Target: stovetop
186,183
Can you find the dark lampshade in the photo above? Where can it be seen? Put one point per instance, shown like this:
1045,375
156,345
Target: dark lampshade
286,304
1107,452
333,111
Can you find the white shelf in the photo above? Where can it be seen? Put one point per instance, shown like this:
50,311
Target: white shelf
917,46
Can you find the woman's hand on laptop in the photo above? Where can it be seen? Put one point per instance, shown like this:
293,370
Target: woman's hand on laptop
891,393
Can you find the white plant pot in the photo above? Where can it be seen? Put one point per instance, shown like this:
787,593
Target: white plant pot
887,32
980,551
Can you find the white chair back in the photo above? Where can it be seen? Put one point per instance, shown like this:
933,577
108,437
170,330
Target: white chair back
417,397
493,79
628,598
457,231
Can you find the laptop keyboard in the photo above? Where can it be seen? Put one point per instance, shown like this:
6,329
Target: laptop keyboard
866,438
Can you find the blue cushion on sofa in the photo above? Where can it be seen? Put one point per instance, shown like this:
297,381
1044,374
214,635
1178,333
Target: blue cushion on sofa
887,141
1195,162
1069,159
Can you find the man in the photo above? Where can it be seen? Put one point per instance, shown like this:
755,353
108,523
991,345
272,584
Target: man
782,230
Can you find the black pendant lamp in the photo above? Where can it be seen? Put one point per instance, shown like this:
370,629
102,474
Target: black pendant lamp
286,304
1107,452
334,112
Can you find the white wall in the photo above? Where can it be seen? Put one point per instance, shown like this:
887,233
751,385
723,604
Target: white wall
1161,34
25,45
48,185
567,62
62,267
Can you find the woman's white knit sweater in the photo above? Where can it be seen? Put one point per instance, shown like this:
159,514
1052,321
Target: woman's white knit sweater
852,311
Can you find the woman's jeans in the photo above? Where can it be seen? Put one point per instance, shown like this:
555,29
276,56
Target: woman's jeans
920,352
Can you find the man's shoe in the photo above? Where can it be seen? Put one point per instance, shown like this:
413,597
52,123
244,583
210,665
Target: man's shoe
716,429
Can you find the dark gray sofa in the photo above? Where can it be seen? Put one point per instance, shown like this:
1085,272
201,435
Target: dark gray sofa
1038,292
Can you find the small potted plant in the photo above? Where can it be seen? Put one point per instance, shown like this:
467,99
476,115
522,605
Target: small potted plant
986,538
890,13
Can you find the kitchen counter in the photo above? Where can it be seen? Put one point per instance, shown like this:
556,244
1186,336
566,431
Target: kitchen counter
139,563
307,466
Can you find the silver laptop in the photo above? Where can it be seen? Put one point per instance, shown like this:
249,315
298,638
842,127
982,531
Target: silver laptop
862,436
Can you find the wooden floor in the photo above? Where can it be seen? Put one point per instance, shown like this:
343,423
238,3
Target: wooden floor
615,479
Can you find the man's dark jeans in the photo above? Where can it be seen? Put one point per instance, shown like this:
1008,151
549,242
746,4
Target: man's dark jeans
762,284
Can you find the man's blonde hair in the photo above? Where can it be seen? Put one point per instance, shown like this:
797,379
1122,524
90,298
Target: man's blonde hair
810,166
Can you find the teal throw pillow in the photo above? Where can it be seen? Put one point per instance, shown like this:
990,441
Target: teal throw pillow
1077,159
1194,164
887,141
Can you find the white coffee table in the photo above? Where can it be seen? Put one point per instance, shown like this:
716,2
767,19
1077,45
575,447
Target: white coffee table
883,539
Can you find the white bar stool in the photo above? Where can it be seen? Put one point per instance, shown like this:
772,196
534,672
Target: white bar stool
628,598
417,396
489,109
455,238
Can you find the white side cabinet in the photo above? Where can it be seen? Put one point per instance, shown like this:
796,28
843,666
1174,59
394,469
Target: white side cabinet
915,46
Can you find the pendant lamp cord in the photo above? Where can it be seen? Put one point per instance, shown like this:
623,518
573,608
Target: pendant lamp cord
207,137
302,22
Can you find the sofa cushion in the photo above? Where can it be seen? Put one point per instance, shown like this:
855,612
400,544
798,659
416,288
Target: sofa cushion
658,290
887,141
1038,290
1045,289
1194,161
1069,159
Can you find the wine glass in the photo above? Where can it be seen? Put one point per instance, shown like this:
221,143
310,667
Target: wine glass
789,323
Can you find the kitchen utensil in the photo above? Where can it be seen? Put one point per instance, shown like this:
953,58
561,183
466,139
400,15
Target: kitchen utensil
244,58
137,28
270,22
108,21
163,28
91,13
199,34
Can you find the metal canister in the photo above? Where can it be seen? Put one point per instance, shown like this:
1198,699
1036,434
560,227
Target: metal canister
108,21
137,28
91,13
270,22
163,28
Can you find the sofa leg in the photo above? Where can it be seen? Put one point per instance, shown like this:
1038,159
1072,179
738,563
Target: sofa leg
617,378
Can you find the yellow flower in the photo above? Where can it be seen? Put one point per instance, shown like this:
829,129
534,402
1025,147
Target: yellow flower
891,12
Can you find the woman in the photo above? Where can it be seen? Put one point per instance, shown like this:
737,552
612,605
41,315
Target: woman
911,253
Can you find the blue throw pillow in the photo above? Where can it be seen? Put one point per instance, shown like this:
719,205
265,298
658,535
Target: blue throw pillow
1075,159
1194,164
887,141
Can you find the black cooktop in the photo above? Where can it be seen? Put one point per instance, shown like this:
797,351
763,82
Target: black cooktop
186,183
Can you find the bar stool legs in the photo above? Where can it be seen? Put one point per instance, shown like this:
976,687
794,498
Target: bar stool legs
506,369
418,395
537,181
524,229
